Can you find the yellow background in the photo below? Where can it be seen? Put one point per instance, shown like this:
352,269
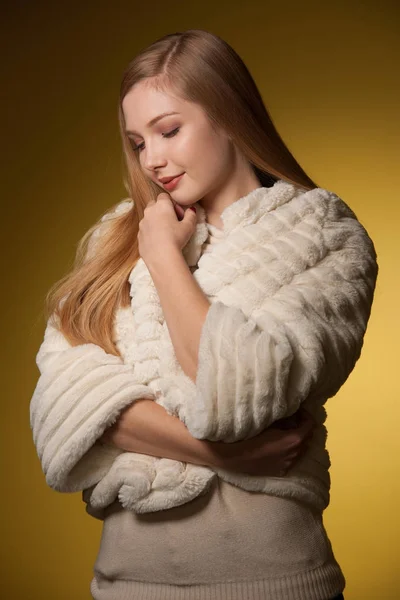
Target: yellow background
328,72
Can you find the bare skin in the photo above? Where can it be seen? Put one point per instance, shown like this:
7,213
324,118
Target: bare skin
145,427
275,450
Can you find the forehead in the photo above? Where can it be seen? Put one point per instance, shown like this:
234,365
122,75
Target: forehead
142,103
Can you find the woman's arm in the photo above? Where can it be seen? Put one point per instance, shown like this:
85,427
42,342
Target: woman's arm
145,427
185,318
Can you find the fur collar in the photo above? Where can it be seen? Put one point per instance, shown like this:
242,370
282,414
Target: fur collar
244,211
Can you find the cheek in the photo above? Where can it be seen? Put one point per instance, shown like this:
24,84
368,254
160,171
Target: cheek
200,151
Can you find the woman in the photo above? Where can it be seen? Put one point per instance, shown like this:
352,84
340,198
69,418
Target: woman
172,529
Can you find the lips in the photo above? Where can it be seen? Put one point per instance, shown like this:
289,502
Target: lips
168,179
173,183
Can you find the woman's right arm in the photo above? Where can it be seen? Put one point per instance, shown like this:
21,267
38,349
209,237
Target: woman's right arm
146,428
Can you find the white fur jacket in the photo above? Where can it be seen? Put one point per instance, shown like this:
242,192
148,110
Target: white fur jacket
291,285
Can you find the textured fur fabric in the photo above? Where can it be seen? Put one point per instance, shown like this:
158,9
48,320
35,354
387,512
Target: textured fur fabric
291,286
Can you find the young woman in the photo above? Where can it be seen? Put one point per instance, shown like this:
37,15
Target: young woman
187,349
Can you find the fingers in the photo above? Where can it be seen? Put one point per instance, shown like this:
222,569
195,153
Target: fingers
306,419
179,211
302,434
305,416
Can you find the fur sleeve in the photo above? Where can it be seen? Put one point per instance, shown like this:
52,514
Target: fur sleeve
301,345
80,392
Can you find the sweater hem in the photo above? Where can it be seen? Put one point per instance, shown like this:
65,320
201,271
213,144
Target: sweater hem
322,583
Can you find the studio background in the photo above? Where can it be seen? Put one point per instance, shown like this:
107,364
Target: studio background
328,73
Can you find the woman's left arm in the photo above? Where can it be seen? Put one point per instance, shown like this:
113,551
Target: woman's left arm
306,340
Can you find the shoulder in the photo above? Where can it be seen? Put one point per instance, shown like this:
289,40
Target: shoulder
328,203
342,219
344,239
102,225
327,212
319,223
118,209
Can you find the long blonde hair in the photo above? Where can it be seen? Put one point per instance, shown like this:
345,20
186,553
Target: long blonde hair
199,67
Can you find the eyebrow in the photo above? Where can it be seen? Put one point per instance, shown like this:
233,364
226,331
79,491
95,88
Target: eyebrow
154,121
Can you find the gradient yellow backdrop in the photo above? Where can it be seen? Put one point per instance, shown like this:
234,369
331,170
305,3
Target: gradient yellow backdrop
328,72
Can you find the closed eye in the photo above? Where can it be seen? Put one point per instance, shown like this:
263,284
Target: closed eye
167,135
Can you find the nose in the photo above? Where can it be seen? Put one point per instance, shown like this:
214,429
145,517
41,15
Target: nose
153,159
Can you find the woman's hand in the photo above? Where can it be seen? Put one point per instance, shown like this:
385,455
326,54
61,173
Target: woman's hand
272,452
161,230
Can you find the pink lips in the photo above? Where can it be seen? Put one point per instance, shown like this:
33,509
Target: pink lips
171,184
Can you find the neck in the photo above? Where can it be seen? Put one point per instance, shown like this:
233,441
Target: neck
214,203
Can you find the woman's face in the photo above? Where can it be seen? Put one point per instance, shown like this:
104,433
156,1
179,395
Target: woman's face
181,143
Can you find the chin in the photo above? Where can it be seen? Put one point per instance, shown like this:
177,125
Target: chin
186,199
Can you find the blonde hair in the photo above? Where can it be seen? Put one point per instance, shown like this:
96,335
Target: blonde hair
198,67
